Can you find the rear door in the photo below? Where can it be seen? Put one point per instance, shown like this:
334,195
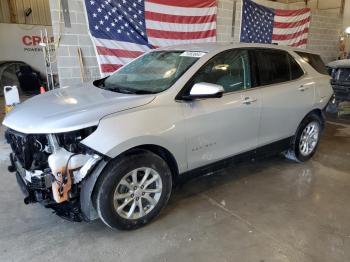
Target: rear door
287,94
217,128
323,89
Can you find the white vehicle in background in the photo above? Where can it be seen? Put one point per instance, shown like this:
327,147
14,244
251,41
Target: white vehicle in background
115,148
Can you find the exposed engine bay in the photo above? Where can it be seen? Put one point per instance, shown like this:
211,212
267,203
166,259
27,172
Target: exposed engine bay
50,168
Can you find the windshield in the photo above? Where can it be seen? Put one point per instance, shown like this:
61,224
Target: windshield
152,73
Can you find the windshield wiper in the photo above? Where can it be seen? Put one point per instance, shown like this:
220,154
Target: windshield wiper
125,90
142,92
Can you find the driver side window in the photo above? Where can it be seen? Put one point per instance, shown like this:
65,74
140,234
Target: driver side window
229,69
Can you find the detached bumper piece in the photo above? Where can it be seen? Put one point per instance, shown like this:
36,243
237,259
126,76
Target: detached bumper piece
68,210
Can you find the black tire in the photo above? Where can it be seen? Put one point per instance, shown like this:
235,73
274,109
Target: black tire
294,153
112,175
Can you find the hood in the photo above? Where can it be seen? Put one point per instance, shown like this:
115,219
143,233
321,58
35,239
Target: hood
70,108
344,63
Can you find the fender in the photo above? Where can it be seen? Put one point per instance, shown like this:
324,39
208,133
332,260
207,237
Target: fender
120,132
86,190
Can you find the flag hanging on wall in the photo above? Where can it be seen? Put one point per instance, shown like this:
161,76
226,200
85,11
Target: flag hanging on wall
261,24
122,30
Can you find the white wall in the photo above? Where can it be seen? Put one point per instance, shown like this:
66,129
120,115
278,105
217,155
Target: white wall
21,42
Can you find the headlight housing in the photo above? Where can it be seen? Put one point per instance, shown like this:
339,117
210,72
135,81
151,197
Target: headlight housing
71,140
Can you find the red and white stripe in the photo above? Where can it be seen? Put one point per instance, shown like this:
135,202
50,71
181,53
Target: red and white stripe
291,27
113,54
168,22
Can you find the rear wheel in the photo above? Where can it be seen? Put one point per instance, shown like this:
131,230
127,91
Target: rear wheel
306,139
132,190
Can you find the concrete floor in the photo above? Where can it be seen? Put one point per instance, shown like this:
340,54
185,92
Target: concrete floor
274,210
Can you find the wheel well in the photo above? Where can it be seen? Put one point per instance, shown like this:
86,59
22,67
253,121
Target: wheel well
161,152
319,113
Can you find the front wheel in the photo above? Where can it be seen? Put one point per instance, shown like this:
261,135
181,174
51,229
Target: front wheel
132,190
306,139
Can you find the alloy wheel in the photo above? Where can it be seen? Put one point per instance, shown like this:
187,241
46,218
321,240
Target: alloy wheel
137,193
309,138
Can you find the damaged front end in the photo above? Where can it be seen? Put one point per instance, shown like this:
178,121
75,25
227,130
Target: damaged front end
50,169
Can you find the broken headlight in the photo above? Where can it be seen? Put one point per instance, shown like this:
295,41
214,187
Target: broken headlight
71,140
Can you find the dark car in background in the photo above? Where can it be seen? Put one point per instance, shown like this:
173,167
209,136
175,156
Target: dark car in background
340,72
21,75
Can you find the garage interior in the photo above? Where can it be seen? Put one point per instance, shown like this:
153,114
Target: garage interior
265,210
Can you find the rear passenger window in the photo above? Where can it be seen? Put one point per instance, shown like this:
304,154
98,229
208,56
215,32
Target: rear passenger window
315,61
273,66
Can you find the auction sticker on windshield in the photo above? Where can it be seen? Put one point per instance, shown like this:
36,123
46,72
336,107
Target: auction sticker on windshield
193,54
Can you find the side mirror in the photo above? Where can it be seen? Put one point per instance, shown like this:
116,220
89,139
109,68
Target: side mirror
205,90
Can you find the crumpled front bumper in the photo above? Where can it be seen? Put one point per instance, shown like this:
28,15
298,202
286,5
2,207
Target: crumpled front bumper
35,190
79,208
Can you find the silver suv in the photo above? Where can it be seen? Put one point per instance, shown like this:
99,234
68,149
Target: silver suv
115,148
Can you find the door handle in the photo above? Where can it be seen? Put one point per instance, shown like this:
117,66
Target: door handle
302,88
248,100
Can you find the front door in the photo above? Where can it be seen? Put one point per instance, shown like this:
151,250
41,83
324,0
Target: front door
217,128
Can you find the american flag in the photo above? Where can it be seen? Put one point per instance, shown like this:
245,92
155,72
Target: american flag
261,24
122,30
